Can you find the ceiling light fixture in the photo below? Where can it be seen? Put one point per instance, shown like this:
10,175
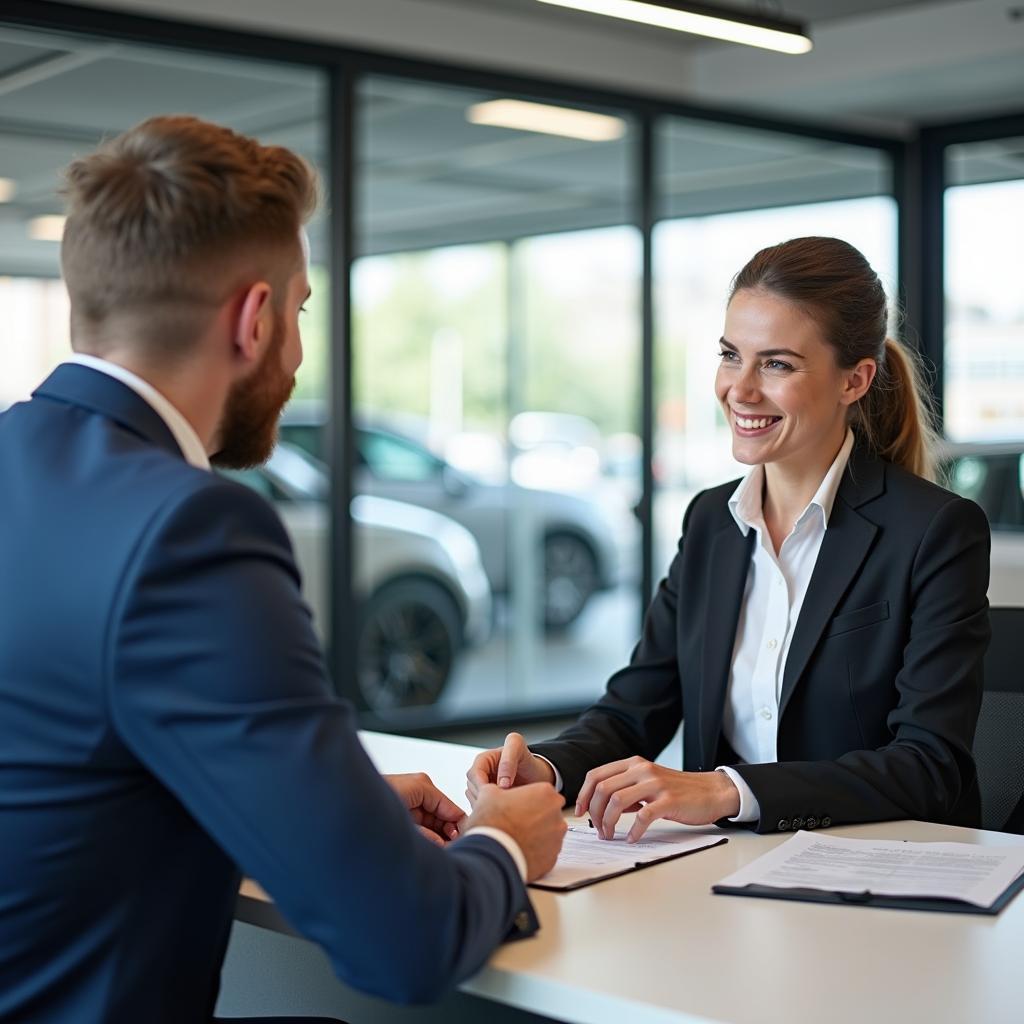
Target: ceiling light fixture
702,20
7,189
541,117
49,228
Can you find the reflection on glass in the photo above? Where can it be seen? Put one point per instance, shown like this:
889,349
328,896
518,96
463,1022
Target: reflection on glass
496,388
984,343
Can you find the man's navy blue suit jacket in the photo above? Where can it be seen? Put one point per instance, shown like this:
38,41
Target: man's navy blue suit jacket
165,720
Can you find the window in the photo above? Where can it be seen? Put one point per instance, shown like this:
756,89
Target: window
65,108
496,355
984,337
496,342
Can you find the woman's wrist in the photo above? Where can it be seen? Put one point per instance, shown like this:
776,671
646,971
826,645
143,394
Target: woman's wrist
728,799
543,765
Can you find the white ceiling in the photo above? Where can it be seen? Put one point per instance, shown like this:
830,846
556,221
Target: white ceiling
877,65
811,12
427,177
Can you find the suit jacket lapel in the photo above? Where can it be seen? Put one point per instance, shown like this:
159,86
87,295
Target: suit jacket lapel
729,566
845,546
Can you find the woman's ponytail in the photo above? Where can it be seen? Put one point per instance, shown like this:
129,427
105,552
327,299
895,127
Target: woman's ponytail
895,417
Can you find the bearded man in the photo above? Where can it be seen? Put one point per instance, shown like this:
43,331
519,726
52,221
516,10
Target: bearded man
165,718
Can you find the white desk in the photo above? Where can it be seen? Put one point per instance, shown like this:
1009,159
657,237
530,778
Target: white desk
657,947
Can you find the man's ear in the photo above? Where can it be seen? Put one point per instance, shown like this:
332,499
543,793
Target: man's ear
858,380
253,323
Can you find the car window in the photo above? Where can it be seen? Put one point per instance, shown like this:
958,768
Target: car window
966,477
393,458
258,480
996,483
307,436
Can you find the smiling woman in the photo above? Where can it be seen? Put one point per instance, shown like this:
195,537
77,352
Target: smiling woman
821,628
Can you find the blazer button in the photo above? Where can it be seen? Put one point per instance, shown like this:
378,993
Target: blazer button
783,824
826,821
522,921
812,822
798,823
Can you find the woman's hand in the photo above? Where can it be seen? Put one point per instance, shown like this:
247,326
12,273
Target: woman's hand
692,798
510,765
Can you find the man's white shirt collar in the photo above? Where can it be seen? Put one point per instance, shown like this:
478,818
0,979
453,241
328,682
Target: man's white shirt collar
183,431
746,503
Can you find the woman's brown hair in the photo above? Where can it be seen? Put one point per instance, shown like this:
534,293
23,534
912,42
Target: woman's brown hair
834,284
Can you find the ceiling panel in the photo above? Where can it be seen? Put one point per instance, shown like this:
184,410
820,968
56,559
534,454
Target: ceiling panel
52,110
427,176
114,93
15,55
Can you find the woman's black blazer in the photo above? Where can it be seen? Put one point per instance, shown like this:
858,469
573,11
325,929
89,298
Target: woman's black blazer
882,684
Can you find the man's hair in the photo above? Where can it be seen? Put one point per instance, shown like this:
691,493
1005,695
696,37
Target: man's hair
167,218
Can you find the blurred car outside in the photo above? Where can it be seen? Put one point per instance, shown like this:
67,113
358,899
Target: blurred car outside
586,542
555,451
419,580
992,474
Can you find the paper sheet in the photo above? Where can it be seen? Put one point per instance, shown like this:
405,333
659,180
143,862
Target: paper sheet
585,857
957,871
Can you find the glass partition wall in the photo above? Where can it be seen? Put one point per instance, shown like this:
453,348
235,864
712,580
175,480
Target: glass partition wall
984,310
61,94
496,385
489,301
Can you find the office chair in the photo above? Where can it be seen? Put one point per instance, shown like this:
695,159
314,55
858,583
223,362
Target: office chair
1015,822
999,740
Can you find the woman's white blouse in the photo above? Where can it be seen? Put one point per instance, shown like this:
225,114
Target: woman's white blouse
772,599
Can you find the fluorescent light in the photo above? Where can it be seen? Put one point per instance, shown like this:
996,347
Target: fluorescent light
540,117
47,229
7,189
768,33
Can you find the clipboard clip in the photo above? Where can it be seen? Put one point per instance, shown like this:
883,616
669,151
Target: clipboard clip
856,897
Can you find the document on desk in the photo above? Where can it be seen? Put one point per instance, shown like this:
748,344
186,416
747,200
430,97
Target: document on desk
586,858
928,876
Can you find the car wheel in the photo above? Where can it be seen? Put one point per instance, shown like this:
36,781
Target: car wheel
570,578
410,633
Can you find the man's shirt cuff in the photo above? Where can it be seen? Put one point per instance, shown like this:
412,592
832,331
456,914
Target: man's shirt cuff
750,809
558,774
505,840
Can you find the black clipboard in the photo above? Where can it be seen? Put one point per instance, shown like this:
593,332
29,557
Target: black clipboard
639,866
869,899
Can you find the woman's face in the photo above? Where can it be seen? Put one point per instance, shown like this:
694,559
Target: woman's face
784,397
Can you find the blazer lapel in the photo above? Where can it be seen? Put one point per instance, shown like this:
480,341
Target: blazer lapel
729,566
845,546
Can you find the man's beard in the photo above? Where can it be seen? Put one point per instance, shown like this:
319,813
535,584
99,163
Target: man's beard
248,428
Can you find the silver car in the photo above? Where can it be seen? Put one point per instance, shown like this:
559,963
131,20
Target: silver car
992,474
419,581
584,543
